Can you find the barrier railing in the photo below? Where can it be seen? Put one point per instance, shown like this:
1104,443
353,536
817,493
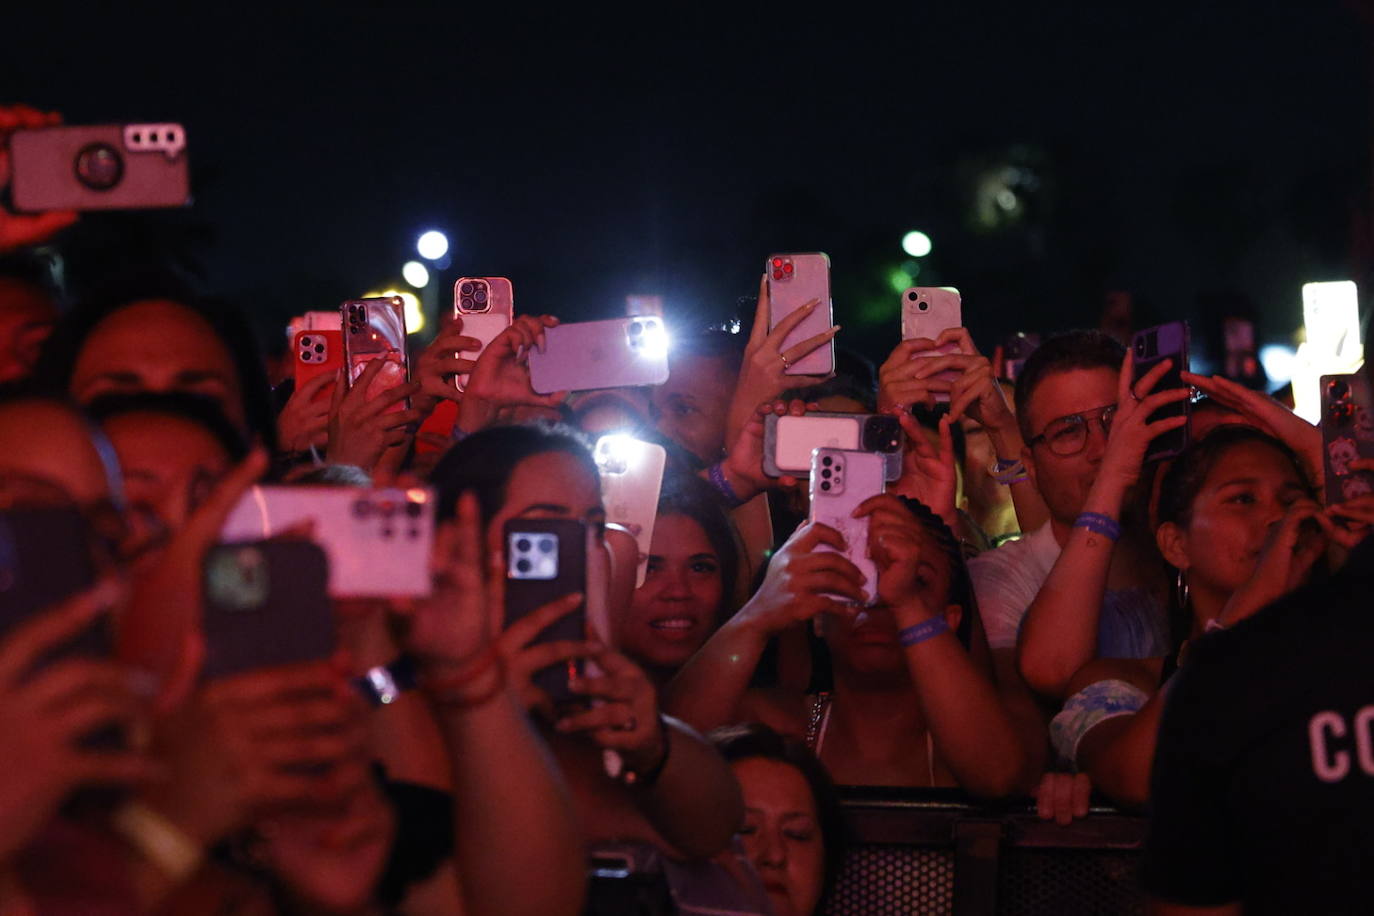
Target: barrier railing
932,852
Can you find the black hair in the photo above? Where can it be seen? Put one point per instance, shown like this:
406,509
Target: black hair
40,271
689,496
755,740
1061,353
711,344
230,325
960,584
198,409
484,462
929,417
1190,470
855,378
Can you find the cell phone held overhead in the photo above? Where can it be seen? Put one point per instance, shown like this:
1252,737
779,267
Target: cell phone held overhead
100,167
587,355
485,306
1347,434
1149,348
376,329
794,282
546,559
927,312
841,480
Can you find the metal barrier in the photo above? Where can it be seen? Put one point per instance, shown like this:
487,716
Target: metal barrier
932,852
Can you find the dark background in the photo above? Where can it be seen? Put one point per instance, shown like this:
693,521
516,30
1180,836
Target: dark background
1203,157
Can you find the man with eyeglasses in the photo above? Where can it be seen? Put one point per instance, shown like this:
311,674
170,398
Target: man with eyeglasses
1071,398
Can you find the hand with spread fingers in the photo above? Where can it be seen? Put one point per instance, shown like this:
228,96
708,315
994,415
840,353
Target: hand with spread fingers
500,378
1132,431
801,581
1294,545
439,365
763,374
363,425
1268,415
21,230
928,472
624,716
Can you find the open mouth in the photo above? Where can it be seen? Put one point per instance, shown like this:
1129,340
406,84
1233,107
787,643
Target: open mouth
675,628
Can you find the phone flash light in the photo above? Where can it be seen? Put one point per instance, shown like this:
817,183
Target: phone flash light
654,343
613,453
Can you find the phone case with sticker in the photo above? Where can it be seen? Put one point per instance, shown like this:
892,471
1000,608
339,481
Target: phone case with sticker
1347,434
840,481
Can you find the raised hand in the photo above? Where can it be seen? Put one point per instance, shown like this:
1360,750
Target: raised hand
439,364
304,421
20,230
500,378
1268,415
801,581
363,425
45,712
1132,431
904,380
1063,797
626,719
1294,545
928,473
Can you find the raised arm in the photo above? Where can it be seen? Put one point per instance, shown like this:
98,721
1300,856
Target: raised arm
1059,634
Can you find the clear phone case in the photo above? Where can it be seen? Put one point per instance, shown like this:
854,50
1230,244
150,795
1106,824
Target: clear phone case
631,478
840,481
793,281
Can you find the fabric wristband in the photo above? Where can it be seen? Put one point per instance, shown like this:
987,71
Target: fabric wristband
1101,524
717,475
384,684
919,633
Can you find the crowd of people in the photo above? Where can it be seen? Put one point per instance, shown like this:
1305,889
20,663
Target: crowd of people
1046,597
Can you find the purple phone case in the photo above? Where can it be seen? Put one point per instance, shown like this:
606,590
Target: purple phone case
859,476
144,164
789,290
620,352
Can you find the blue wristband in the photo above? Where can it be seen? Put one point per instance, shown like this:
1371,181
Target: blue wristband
1101,524
717,475
919,633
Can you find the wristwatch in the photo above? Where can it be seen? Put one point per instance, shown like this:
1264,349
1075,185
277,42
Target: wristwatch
383,684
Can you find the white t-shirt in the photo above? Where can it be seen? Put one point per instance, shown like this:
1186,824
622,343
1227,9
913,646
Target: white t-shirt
1006,581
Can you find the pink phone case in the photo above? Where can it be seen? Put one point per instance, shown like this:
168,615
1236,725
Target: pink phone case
926,312
99,167
793,281
376,329
631,477
378,541
618,353
486,306
840,481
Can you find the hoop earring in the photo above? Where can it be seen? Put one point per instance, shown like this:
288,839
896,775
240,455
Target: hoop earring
1181,589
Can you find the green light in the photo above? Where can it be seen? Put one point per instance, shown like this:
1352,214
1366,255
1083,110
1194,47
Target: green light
899,280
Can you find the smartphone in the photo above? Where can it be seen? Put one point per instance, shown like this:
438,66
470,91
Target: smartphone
1016,349
928,311
266,604
793,281
788,441
46,558
618,353
631,477
1347,433
486,306
377,541
323,320
376,329
1149,348
317,353
102,167
546,558
841,479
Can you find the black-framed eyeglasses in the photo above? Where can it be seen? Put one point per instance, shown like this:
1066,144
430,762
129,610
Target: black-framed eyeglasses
1067,435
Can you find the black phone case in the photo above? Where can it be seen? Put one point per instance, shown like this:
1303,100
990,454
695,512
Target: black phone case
45,558
1151,347
265,605
526,595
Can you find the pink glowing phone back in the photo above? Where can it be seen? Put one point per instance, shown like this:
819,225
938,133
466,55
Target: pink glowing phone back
793,281
619,352
486,306
631,477
926,312
840,481
376,329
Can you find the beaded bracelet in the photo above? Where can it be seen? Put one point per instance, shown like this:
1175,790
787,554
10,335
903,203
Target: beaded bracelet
717,475
1101,524
919,633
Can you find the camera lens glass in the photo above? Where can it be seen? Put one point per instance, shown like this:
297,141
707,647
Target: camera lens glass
825,485
480,296
923,306
825,473
546,545
636,329
911,296
467,302
466,289
523,545
99,166
827,461
523,565
1339,390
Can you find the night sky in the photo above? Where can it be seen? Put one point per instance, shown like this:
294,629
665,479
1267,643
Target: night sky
1190,153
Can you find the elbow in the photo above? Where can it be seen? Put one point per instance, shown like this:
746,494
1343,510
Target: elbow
1045,675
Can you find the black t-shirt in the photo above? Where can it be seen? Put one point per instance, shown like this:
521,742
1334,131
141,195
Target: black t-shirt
1263,787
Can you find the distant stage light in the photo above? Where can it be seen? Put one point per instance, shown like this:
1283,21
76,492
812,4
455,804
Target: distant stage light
916,243
415,315
433,245
1277,360
416,274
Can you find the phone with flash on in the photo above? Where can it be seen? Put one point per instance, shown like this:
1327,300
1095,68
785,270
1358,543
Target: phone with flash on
631,473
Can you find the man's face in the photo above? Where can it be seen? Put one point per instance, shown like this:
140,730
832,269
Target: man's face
691,407
27,316
1064,480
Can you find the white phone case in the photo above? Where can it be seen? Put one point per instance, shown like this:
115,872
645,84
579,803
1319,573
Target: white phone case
618,353
793,281
840,481
377,541
795,438
486,306
631,478
926,312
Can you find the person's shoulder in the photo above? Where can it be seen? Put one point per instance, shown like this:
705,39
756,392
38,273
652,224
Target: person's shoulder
1035,548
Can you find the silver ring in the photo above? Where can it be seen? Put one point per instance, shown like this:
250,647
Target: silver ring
785,364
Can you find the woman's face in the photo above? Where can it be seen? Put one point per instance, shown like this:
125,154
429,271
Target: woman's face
1248,489
157,346
549,485
782,834
675,610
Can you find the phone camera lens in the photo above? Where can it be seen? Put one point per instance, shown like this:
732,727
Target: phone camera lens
825,486
99,166
523,565
826,473
466,289
1339,390
467,302
319,348
523,545
546,545
827,461
911,296
923,306
480,297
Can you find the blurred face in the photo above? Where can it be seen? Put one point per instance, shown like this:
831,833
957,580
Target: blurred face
782,834
27,316
1248,490
550,485
691,407
49,448
675,610
1064,480
170,466
157,346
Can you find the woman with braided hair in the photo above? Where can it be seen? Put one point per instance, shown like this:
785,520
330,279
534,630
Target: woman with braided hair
909,706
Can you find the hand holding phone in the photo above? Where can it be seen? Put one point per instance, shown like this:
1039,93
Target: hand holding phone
631,472
485,307
927,312
840,481
1149,349
619,353
375,329
1347,435
789,441
798,287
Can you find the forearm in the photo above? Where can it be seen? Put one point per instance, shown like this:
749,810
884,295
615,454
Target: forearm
695,803
1031,512
967,722
1118,753
1028,719
707,691
515,818
1059,633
